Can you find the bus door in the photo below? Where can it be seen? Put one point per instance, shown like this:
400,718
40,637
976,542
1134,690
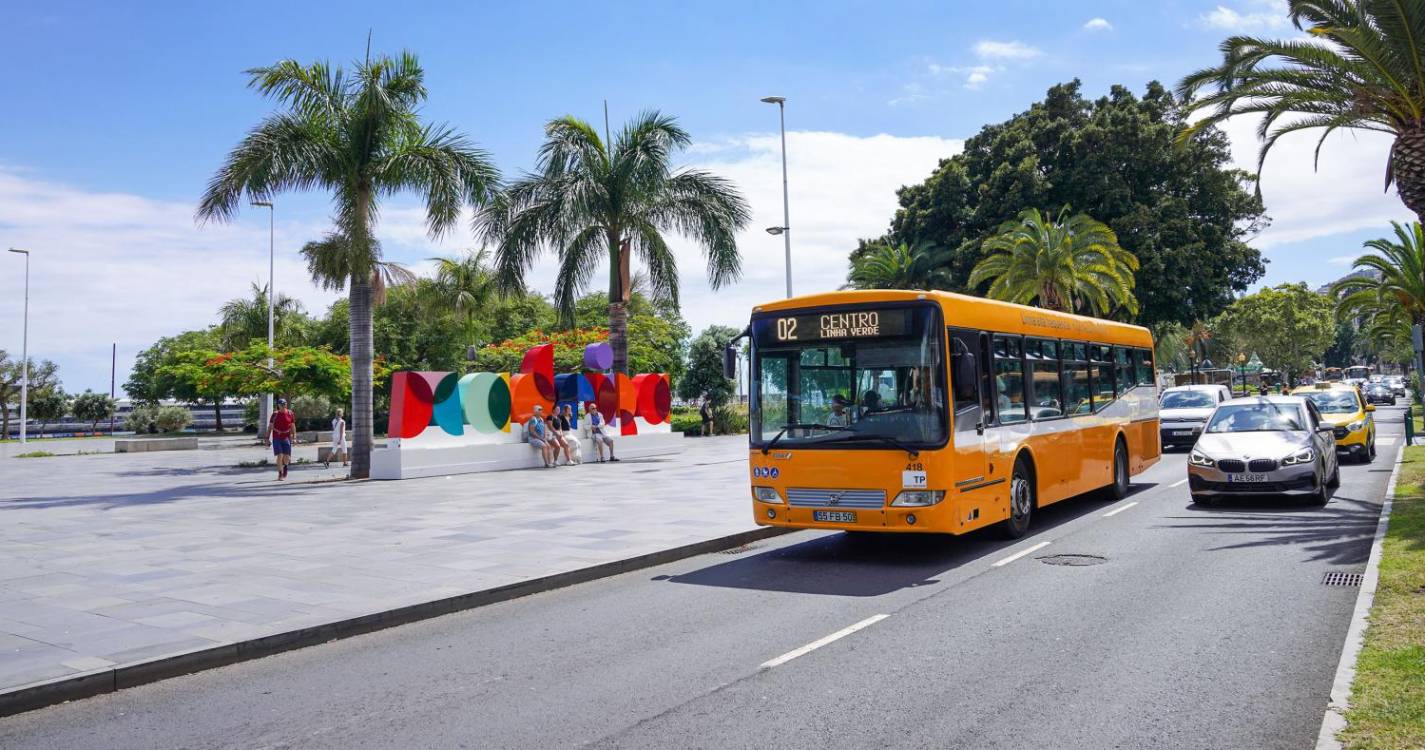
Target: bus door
969,377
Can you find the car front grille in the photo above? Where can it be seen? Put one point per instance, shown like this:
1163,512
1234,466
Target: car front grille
819,498
1262,465
1232,466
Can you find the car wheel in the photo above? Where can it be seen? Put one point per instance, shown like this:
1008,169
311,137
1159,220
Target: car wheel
1021,503
1371,451
1335,480
1323,492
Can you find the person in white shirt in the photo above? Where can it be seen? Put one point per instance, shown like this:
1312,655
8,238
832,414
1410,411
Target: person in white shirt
599,432
338,440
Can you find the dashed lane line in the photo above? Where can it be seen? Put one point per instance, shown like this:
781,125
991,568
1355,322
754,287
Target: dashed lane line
1178,483
1120,509
1019,554
816,644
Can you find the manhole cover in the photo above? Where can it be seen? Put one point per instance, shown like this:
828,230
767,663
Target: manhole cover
739,550
1341,579
1076,561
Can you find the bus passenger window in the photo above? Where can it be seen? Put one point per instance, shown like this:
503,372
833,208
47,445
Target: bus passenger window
1123,368
1077,391
1045,399
1102,375
1143,363
1009,381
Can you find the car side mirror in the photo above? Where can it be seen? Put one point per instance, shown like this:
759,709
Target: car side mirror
1370,407
1325,428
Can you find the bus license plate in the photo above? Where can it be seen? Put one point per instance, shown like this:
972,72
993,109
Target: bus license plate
833,516
1246,478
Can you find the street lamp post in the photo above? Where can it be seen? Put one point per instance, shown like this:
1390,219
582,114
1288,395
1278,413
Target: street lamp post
24,350
1242,371
786,229
271,301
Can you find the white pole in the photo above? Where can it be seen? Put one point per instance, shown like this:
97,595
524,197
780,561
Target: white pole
25,350
271,287
786,209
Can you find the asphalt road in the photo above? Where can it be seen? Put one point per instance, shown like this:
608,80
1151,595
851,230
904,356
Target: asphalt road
1201,628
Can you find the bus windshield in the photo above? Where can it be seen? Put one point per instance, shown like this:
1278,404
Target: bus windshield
853,376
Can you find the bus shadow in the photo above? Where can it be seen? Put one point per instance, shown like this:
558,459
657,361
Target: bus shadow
872,564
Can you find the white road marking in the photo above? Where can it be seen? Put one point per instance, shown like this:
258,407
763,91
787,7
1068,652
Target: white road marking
1116,511
1383,440
814,645
1020,554
1178,483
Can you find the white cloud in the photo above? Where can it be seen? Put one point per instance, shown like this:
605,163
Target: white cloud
1262,15
114,267
1014,50
975,75
1343,195
1098,24
910,93
1342,260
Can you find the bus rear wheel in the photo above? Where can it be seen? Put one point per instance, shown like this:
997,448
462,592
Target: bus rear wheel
1021,503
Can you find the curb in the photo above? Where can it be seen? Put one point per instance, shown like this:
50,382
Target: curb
1335,718
97,682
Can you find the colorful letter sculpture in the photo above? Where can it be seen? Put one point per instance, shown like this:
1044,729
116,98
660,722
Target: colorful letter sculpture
489,402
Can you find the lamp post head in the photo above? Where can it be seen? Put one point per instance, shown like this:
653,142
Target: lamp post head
775,231
18,250
262,204
774,99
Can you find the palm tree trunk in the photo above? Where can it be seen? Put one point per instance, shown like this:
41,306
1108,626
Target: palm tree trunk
619,283
618,335
361,356
1407,163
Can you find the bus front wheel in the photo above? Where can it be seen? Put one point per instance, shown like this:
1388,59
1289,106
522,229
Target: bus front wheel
1021,502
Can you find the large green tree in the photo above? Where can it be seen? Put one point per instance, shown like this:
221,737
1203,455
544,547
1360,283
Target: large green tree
1363,68
151,379
884,265
243,320
92,407
590,201
358,136
1067,263
1183,211
1289,326
44,375
704,373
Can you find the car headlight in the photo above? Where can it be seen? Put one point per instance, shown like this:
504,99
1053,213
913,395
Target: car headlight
767,495
1357,426
918,498
1300,457
1199,459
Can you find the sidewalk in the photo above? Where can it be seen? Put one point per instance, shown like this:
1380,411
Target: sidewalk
114,560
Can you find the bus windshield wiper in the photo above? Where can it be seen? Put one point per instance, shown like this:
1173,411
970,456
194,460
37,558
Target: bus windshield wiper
800,426
886,439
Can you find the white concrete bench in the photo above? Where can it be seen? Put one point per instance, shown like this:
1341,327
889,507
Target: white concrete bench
146,445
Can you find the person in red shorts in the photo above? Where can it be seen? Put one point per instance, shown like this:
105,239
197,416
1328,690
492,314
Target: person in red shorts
284,431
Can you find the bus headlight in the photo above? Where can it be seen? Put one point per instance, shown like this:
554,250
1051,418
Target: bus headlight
767,495
918,498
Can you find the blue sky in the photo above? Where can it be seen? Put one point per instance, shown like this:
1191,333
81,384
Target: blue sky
118,115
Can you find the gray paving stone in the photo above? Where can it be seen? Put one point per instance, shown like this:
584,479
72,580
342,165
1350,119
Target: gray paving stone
118,558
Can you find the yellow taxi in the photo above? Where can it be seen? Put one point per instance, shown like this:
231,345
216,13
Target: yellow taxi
1350,417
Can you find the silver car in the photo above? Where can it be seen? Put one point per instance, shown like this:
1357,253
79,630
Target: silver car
1268,445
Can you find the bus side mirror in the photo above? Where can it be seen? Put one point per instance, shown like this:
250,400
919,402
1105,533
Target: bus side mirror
729,362
966,376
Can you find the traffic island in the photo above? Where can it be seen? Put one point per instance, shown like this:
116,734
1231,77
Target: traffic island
1387,698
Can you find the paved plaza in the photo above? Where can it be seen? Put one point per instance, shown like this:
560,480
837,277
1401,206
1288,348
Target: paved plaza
113,559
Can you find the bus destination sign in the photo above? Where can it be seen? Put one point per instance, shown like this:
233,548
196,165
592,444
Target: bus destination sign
856,324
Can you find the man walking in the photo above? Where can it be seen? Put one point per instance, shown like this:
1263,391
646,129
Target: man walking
706,411
283,430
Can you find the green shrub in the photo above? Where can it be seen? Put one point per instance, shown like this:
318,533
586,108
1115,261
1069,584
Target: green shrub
731,419
34,454
313,412
686,422
140,418
173,418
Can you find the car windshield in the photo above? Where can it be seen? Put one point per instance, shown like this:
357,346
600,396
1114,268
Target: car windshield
855,376
1335,402
1187,400
1259,417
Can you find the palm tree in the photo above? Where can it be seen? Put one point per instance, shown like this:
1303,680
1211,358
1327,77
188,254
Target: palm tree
465,284
1068,263
358,136
886,266
1363,69
244,320
1393,280
589,200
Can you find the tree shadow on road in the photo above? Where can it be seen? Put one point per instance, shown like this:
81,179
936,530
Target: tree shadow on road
873,564
1341,533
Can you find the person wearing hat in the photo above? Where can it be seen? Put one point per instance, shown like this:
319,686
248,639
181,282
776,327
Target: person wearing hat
283,430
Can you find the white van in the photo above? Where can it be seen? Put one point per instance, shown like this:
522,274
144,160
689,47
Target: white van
1184,409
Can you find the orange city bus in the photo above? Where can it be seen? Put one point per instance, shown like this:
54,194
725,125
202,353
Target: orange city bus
938,412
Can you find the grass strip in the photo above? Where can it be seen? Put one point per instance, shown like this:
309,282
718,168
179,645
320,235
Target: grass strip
1388,695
